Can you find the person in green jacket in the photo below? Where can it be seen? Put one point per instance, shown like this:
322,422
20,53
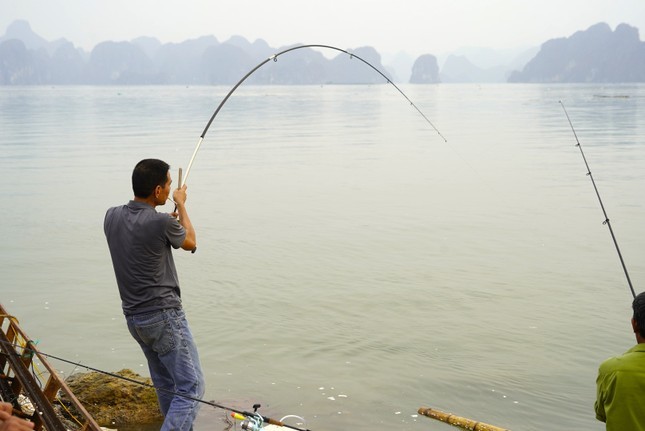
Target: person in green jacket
620,397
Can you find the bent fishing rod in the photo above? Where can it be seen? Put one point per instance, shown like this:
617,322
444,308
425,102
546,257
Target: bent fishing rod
275,59
602,206
256,419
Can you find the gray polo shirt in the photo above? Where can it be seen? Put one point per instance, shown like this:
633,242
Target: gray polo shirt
140,240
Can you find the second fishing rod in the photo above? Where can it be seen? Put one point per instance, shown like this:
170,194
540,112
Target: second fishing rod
602,206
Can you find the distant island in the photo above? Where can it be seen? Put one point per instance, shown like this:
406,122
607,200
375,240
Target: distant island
597,54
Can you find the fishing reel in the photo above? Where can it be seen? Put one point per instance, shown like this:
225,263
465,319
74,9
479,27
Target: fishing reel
250,422
256,422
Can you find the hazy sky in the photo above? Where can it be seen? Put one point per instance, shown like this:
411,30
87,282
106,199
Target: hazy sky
414,26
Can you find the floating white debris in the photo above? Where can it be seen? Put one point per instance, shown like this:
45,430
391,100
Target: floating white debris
331,398
342,396
414,416
397,413
322,388
25,405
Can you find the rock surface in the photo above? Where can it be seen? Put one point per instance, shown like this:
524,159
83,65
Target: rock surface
115,402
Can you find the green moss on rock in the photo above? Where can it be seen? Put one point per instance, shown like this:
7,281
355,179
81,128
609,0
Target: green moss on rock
116,402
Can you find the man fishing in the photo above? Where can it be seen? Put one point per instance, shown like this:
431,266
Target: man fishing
140,240
620,401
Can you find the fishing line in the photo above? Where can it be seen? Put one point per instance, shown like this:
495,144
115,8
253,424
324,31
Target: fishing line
275,59
611,231
131,380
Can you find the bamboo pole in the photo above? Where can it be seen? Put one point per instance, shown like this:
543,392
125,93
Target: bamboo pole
458,421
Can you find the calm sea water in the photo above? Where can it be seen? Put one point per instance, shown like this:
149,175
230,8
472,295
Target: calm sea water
352,266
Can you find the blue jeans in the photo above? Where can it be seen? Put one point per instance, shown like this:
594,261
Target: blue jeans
166,341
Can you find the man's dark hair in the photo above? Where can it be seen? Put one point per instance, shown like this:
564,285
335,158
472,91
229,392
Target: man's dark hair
147,175
639,312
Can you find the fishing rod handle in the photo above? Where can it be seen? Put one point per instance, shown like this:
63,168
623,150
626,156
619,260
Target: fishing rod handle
274,422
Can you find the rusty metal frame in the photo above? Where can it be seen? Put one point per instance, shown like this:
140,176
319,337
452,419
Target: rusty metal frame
17,354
